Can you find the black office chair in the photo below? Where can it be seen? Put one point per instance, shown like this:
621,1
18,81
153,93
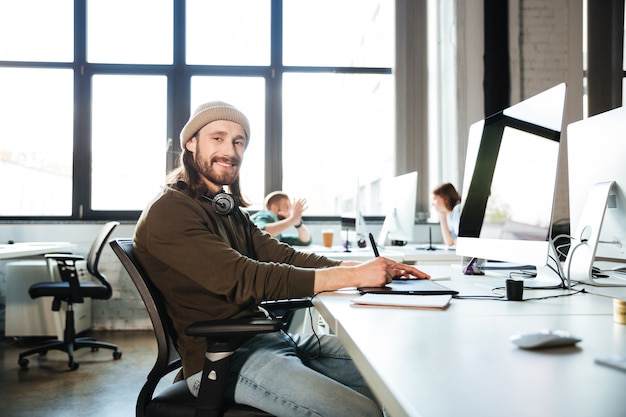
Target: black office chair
72,290
221,335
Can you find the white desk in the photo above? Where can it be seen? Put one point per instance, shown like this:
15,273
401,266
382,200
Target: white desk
460,361
25,249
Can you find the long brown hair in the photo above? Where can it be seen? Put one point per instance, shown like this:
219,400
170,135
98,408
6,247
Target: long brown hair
449,195
196,188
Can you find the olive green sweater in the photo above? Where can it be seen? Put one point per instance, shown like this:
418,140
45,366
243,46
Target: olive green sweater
210,266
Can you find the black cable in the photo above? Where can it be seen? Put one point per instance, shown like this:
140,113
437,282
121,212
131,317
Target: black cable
503,298
581,291
301,354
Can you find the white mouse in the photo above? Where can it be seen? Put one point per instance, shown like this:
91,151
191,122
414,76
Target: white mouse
544,339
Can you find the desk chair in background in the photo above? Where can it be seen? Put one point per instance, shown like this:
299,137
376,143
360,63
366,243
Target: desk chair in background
223,337
71,289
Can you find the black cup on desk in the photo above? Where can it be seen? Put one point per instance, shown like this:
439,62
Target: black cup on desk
514,290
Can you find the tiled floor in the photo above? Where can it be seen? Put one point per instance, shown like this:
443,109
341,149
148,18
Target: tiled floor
100,387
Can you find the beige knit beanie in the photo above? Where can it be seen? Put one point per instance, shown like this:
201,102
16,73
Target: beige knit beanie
210,112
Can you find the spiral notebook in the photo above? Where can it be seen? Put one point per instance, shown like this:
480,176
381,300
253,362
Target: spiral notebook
436,302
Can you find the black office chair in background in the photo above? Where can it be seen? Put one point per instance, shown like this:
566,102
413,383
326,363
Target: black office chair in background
72,290
223,336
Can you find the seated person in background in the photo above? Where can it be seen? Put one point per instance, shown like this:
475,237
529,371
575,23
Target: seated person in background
279,214
447,202
211,262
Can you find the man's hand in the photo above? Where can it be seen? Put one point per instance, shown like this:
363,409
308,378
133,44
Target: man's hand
373,273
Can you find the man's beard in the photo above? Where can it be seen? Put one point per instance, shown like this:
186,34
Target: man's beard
205,168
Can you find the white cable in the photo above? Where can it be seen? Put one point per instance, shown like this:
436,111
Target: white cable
570,256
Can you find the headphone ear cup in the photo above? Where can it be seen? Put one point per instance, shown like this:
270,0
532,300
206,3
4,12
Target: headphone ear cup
224,204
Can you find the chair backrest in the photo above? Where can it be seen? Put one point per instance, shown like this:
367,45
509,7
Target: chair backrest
93,257
167,356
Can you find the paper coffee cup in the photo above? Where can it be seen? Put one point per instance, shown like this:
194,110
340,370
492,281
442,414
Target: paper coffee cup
327,237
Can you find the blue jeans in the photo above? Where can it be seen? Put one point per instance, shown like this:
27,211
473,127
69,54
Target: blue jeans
298,376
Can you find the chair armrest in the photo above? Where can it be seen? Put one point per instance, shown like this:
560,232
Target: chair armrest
287,305
66,264
222,337
283,310
239,327
228,335
64,256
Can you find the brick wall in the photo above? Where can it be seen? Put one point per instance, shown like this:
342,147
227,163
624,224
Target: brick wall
541,57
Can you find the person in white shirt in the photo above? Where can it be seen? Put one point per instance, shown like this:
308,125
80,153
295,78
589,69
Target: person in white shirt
447,202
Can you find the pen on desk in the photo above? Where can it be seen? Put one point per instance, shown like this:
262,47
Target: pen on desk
374,248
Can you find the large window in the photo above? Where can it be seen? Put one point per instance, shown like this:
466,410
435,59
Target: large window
95,92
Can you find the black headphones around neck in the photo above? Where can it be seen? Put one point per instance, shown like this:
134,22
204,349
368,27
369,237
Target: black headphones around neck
223,203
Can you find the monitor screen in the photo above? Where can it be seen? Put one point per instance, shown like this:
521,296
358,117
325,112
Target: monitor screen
596,150
399,199
510,182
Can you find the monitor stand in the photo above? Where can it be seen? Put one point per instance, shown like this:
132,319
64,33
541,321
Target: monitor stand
546,277
582,252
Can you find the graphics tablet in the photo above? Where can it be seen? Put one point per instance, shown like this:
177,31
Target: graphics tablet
410,287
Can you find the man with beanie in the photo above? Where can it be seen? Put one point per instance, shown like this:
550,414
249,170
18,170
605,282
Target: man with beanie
211,262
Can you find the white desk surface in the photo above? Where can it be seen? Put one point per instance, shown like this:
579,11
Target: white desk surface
460,361
24,249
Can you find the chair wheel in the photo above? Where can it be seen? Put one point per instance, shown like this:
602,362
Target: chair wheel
73,365
117,354
23,362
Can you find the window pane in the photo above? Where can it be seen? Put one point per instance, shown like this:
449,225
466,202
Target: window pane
338,131
37,30
129,125
36,142
234,32
248,95
130,31
350,33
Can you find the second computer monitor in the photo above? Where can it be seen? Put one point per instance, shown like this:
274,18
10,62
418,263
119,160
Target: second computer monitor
597,194
399,201
510,182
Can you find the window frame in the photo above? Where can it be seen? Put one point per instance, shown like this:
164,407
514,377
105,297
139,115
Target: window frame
178,76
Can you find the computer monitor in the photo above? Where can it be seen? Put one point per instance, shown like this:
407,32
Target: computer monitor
399,202
510,182
596,151
355,220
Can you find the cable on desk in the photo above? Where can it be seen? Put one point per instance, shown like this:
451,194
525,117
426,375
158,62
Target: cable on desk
581,291
501,297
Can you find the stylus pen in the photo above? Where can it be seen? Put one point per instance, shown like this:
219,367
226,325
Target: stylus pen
374,248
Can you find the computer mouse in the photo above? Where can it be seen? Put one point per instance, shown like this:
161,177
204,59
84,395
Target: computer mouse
544,339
